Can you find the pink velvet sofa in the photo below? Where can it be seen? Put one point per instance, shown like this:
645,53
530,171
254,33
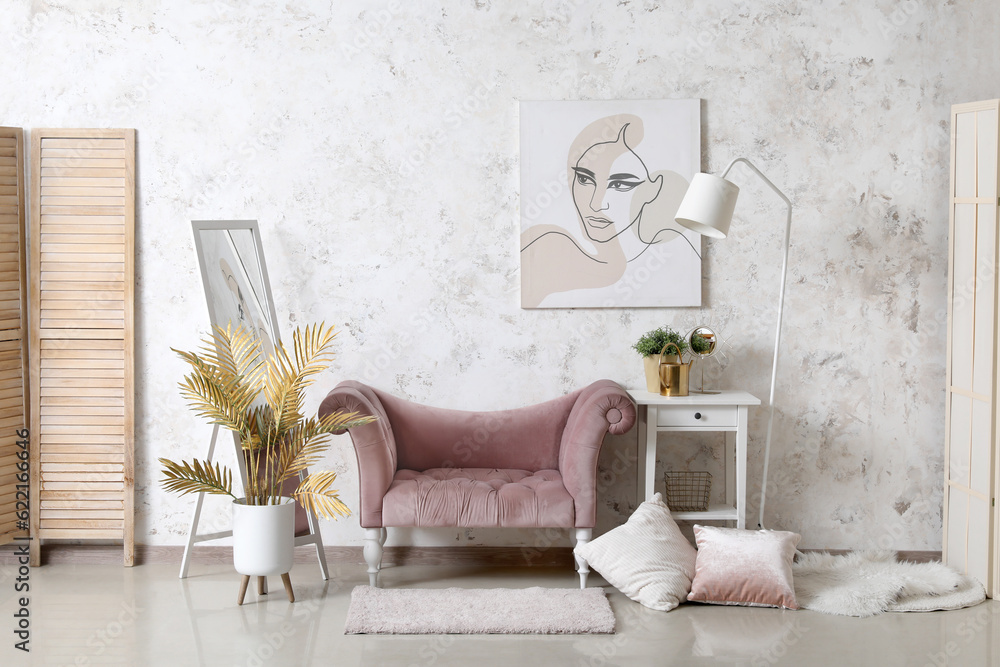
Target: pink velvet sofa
530,467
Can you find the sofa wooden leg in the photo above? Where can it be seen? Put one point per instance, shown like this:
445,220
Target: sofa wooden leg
373,553
582,537
383,534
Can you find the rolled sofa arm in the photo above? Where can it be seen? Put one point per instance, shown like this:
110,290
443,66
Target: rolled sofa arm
374,445
601,408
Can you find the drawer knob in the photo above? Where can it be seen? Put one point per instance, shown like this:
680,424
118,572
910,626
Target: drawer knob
697,415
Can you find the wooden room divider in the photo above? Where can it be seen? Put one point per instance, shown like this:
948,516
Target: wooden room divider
13,343
971,540
81,340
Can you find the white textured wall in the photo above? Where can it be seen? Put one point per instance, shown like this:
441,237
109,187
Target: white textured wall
377,144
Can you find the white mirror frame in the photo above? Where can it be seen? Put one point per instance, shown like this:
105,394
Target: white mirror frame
235,294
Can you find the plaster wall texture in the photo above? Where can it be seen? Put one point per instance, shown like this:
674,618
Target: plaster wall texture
377,144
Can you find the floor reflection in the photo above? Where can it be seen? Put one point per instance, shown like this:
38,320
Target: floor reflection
752,634
264,626
106,614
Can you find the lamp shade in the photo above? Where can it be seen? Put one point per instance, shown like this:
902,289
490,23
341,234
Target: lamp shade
707,207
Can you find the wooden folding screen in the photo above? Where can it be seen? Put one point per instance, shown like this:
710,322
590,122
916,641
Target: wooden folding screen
972,414
82,256
13,344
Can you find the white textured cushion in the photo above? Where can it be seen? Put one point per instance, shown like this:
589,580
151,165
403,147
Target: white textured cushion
647,559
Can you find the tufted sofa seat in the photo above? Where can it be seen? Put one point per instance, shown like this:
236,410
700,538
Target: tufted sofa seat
477,497
529,467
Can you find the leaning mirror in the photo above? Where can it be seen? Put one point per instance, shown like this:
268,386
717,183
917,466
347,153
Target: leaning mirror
235,278
703,343
238,293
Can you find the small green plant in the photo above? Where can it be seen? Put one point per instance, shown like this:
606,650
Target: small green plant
653,341
700,344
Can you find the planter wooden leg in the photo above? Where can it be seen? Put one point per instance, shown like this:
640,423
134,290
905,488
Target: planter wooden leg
261,585
287,581
243,588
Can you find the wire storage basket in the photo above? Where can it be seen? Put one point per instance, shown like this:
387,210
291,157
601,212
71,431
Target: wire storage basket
688,491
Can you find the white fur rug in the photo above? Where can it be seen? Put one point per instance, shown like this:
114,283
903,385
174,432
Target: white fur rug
479,611
866,583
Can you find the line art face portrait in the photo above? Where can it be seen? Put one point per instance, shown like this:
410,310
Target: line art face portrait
600,185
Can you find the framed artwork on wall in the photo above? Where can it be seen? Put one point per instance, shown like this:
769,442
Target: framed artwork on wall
600,184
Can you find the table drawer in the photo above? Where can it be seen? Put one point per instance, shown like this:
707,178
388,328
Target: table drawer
714,416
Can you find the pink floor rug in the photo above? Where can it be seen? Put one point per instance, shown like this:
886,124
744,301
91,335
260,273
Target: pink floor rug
472,611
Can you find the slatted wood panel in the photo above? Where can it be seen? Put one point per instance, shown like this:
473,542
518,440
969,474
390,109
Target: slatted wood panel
13,343
971,417
82,294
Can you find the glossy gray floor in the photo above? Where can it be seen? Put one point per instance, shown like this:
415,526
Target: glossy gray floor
109,615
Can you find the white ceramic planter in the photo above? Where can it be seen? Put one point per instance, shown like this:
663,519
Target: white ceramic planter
263,537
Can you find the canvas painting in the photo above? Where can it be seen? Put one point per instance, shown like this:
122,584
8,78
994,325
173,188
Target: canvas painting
600,185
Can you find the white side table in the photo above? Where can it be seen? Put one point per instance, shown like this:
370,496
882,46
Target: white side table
725,411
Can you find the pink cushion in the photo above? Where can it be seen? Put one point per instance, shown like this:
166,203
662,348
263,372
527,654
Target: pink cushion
478,497
745,567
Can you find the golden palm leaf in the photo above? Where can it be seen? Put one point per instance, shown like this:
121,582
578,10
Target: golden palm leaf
312,349
234,349
286,379
306,442
285,400
213,388
316,496
292,445
210,399
305,448
279,384
211,354
195,477
258,425
336,422
228,379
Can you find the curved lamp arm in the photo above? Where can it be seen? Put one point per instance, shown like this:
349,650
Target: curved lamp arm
781,295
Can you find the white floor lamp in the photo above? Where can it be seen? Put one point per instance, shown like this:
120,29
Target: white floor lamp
707,208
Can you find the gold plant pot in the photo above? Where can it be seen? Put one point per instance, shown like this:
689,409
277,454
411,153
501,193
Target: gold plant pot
673,376
651,364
